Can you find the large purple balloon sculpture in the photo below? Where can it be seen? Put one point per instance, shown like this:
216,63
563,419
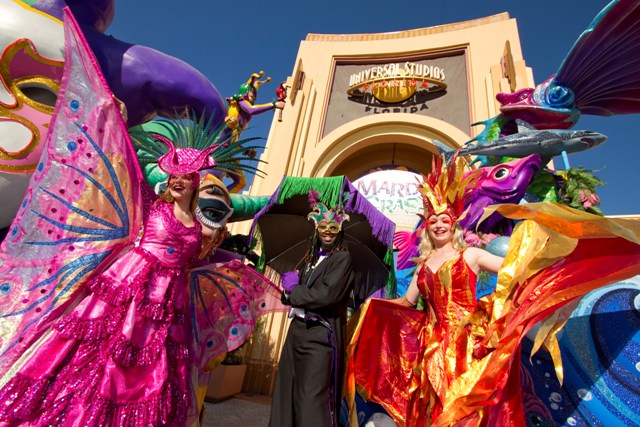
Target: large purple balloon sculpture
149,82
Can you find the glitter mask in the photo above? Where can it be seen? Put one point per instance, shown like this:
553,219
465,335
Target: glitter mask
329,227
326,219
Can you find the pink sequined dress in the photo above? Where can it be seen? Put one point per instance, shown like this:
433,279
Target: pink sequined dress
123,355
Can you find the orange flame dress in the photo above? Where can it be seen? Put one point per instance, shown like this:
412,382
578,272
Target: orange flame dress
458,361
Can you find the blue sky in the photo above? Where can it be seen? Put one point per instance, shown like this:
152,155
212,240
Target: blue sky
227,41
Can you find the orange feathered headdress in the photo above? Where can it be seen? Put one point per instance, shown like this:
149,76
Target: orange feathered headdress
444,188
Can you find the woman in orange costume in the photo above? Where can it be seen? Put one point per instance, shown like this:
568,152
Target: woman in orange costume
457,362
446,278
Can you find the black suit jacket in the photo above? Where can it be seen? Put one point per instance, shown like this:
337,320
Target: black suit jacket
325,290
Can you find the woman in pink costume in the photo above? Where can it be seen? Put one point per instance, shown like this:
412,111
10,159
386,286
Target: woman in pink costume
102,324
123,356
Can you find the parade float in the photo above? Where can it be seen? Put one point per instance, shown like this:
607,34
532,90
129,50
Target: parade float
147,82
87,196
599,340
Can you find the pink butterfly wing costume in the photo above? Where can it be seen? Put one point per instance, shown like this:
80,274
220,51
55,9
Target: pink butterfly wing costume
95,330
124,350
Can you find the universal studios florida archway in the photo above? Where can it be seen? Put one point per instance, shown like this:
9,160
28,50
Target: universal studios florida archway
363,103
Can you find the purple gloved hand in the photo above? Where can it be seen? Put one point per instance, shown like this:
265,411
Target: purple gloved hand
289,280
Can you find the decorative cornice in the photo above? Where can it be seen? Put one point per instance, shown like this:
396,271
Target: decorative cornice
408,33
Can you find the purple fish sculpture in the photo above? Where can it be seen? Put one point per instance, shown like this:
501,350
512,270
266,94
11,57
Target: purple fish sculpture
504,183
599,76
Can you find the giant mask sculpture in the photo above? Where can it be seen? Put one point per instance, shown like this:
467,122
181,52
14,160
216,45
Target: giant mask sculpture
31,54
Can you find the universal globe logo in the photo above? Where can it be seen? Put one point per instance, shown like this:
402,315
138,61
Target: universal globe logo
392,83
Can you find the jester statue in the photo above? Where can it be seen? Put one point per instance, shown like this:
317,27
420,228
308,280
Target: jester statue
242,108
111,308
457,360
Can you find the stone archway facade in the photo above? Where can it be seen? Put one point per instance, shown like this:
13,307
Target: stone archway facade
355,98
360,101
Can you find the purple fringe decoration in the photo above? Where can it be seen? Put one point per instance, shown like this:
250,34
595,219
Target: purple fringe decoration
272,201
381,226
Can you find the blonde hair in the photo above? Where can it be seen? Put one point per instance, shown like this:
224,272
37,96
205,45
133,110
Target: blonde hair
426,246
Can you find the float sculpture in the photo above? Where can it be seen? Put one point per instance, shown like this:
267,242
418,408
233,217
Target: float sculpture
596,77
597,339
242,108
32,40
148,82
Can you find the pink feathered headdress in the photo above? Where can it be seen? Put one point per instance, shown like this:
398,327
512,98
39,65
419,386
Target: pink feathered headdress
182,161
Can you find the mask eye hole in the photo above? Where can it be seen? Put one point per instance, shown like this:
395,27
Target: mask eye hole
214,210
501,174
213,214
39,93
